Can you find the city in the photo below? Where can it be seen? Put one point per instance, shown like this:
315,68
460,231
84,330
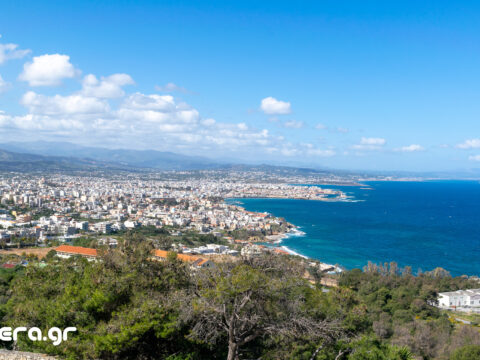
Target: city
239,180
41,212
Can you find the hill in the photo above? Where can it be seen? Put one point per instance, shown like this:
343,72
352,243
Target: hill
132,158
20,162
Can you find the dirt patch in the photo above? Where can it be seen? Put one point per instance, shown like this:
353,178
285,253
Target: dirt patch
40,252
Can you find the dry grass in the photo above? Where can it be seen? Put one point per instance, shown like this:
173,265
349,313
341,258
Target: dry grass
40,252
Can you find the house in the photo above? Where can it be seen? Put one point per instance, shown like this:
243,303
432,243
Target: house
110,242
281,252
464,298
251,250
195,261
67,251
129,224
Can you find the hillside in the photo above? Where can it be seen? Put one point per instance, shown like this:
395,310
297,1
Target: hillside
137,158
19,162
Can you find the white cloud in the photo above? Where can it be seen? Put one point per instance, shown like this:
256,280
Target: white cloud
411,148
3,85
293,124
302,149
106,87
474,158
135,120
372,141
171,87
62,105
272,106
155,102
37,124
11,51
370,144
208,122
320,127
311,150
148,121
469,144
242,126
48,70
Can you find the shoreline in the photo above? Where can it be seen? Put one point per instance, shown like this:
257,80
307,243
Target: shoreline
294,232
278,239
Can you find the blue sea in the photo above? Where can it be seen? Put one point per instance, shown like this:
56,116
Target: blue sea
420,224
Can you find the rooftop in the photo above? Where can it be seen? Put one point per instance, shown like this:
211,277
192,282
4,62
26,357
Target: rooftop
77,250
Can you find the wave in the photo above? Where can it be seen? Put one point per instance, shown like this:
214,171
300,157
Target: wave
290,251
295,232
336,268
290,234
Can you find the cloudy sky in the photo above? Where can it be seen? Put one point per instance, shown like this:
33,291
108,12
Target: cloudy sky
353,85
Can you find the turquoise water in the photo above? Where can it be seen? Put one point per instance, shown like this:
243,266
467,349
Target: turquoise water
419,224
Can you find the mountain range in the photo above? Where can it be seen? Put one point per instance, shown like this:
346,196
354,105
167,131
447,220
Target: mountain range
65,156
20,162
83,155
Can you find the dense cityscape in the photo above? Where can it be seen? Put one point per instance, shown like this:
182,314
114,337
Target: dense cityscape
42,208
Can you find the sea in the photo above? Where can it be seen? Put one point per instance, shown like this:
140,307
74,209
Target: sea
423,225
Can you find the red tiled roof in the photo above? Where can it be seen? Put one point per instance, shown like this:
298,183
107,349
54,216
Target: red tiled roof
280,251
77,250
201,262
183,257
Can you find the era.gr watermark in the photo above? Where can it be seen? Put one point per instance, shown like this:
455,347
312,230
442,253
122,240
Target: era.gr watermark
54,334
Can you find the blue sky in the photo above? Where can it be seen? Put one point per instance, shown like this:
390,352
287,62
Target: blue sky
351,84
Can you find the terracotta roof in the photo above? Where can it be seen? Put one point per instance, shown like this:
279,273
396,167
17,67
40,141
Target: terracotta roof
201,262
280,251
183,257
78,250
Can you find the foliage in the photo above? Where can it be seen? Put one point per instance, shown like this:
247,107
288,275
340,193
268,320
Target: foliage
42,213
468,352
85,242
242,304
128,306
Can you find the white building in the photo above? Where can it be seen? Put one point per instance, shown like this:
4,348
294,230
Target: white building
82,225
129,224
470,298
104,227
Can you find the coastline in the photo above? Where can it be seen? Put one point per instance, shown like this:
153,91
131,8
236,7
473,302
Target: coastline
278,239
294,231
387,217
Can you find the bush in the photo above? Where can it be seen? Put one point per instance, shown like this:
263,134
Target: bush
468,352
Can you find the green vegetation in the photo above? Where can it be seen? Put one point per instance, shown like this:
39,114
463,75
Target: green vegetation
85,242
145,231
42,213
468,352
244,234
127,306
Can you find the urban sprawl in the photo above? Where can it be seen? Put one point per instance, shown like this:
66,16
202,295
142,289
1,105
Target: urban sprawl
55,209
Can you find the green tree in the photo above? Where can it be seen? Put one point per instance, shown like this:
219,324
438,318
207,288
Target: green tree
243,304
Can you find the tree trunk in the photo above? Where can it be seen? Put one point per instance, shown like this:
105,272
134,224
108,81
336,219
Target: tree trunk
232,351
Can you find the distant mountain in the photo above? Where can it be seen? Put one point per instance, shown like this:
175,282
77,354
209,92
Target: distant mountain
20,162
64,156
137,158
